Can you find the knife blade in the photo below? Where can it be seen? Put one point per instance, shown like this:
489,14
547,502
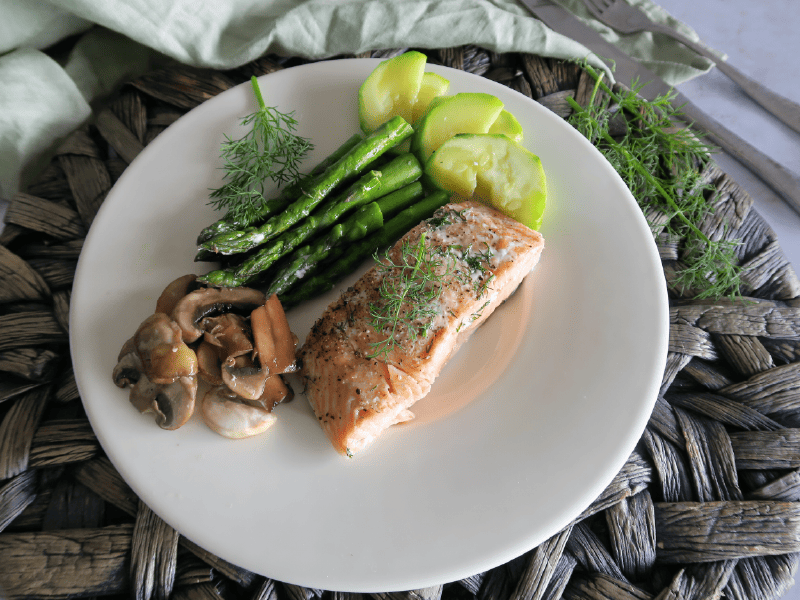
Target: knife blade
626,71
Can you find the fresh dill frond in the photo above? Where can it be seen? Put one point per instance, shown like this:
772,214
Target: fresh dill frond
443,218
410,291
270,150
661,164
411,287
477,273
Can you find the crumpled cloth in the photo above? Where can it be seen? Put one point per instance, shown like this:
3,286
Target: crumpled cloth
44,97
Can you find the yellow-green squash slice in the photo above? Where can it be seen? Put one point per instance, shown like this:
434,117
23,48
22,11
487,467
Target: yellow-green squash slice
433,86
495,170
391,90
507,124
469,112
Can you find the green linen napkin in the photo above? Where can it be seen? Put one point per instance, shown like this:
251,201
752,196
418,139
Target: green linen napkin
42,100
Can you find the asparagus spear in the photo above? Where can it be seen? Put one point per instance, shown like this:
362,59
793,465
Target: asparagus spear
401,171
364,221
400,199
305,260
347,260
288,194
391,133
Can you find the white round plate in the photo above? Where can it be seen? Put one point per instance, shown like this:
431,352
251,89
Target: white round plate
523,429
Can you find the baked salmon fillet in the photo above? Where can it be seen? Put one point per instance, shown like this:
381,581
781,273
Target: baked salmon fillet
378,348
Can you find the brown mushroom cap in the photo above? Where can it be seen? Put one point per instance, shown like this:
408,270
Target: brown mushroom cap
197,304
158,342
176,290
229,332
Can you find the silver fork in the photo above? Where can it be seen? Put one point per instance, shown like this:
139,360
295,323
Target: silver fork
624,18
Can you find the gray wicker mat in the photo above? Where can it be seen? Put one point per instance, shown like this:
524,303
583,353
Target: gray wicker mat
706,505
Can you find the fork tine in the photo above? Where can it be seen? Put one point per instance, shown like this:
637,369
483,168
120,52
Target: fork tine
590,5
596,7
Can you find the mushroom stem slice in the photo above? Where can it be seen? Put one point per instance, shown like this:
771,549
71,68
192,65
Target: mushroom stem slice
173,404
246,381
208,363
272,337
224,413
275,392
129,366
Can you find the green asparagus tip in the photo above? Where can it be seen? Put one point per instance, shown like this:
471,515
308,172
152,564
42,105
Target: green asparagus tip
219,278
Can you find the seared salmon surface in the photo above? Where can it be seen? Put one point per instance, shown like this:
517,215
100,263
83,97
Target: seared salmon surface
375,352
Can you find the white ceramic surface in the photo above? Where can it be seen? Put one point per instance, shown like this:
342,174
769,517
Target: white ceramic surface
552,393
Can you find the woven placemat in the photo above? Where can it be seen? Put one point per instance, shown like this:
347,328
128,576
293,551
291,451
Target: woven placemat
706,505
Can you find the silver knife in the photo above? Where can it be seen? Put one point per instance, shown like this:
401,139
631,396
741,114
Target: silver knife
626,70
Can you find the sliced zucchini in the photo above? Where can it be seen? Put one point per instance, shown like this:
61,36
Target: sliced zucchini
433,86
507,124
391,90
469,112
495,170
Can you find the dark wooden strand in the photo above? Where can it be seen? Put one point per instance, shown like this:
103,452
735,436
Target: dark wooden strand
125,142
560,577
45,217
154,554
33,364
773,393
33,328
63,442
745,353
724,410
73,506
631,525
597,586
766,449
66,563
711,457
16,494
19,281
710,531
182,86
18,429
533,583
671,465
590,553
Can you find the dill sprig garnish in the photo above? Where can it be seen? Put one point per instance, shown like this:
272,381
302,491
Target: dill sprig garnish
661,165
410,291
411,288
270,150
